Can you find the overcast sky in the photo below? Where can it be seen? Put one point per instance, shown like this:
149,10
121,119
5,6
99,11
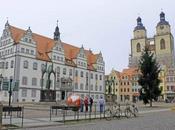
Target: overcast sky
102,25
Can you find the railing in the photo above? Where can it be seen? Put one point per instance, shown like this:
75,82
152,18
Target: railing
76,113
10,111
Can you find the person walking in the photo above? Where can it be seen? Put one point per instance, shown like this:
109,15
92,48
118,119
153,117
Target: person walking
86,104
101,103
91,103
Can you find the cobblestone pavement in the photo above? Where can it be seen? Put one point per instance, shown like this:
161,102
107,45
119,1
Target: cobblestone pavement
149,121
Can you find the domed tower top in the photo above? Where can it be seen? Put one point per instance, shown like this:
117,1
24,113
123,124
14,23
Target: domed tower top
162,19
139,30
163,26
139,25
57,33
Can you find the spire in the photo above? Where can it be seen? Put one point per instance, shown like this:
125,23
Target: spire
7,23
139,24
57,33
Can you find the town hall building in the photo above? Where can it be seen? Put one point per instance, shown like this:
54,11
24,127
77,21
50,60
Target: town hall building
24,55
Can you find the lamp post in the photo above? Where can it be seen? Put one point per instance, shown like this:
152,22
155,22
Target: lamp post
10,91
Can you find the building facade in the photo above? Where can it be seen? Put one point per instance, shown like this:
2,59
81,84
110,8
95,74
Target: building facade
23,55
123,86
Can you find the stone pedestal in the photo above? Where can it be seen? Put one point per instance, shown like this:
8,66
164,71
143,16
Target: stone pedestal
48,96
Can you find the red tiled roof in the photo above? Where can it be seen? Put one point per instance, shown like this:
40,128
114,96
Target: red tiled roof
45,45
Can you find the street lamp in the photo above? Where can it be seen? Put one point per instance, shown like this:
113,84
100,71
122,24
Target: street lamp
1,79
10,91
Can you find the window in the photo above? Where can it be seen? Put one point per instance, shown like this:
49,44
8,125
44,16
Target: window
124,89
91,75
35,66
100,88
86,87
12,64
30,40
96,77
32,52
33,93
76,85
58,58
138,47
1,65
168,88
101,77
128,89
81,73
6,65
64,71
22,50
162,44
92,88
34,81
58,69
27,51
81,86
70,72
24,93
25,65
26,39
76,73
86,74
24,80
96,88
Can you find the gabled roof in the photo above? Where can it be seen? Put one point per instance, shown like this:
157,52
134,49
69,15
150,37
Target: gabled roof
129,71
45,45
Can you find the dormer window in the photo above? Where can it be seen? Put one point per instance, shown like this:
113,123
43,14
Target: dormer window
30,40
26,39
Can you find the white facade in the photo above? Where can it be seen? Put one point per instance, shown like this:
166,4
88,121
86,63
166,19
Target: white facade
19,61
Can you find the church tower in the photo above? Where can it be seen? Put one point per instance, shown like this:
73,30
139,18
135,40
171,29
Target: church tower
164,42
137,43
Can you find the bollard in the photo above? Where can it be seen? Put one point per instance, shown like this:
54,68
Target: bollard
1,107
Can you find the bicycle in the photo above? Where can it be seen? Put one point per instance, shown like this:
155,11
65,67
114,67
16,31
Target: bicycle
112,112
129,112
